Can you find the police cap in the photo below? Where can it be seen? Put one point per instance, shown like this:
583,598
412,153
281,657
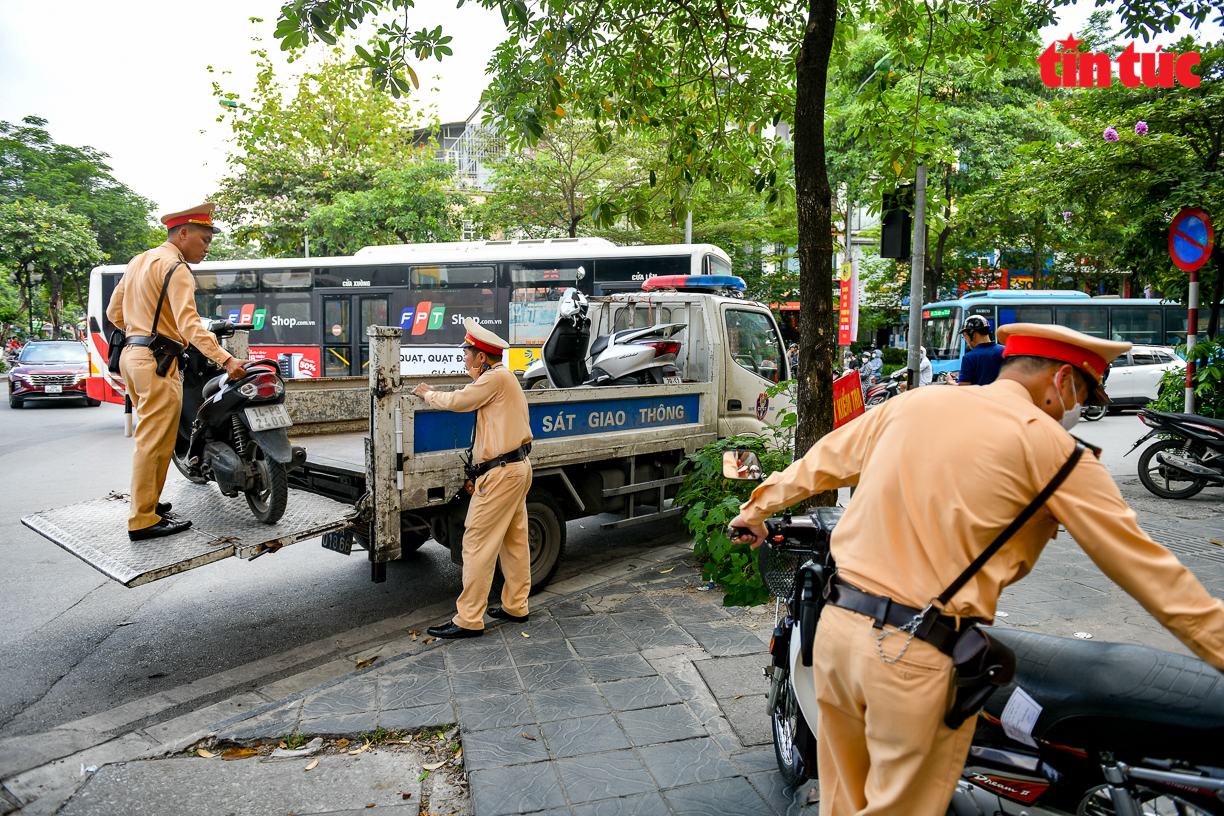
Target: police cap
201,215
481,339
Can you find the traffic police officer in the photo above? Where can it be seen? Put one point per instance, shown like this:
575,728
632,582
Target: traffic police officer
496,525
917,521
156,399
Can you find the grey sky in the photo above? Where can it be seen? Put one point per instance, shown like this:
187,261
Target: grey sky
129,77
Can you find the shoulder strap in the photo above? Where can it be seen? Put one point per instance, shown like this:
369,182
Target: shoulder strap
1024,516
160,300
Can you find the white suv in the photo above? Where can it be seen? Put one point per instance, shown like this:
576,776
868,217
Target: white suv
1134,377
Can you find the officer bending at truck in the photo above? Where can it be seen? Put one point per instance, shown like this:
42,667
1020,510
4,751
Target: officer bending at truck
916,522
158,289
496,525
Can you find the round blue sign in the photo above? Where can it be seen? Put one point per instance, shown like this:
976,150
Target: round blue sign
1190,239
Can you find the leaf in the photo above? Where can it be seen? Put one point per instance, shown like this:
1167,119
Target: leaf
239,753
433,766
342,743
312,764
459,752
524,634
363,664
528,736
664,572
428,640
205,754
362,749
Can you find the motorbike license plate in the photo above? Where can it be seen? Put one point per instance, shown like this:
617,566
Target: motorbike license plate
268,417
672,381
54,389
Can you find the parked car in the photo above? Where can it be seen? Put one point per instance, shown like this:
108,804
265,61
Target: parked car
1134,377
50,369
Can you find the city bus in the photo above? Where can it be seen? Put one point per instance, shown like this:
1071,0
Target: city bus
311,314
1137,320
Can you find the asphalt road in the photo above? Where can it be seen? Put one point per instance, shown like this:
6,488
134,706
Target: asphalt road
74,643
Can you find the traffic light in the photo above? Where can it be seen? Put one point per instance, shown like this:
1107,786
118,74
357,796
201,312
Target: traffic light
897,226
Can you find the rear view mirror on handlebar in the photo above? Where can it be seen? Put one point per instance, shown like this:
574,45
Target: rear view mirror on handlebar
742,465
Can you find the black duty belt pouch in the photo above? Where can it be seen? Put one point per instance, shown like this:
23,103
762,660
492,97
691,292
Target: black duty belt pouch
981,663
116,340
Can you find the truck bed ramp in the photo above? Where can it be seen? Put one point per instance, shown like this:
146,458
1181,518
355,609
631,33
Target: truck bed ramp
96,531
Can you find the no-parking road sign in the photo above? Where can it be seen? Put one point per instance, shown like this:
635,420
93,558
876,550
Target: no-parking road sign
1190,239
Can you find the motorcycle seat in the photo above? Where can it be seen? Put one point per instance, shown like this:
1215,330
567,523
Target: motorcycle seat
213,386
601,343
1131,700
1218,424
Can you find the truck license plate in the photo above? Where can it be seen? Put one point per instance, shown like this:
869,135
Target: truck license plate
338,541
268,417
54,389
672,380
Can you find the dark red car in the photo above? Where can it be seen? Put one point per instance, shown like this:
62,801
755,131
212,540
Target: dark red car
50,369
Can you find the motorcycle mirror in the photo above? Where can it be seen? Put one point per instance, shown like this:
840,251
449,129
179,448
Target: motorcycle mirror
581,273
742,465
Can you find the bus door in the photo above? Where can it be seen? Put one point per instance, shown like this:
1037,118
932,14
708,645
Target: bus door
346,346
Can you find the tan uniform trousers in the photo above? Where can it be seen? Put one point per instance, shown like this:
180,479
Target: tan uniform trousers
157,402
882,746
496,527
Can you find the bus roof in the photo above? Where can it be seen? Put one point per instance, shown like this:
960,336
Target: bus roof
1034,294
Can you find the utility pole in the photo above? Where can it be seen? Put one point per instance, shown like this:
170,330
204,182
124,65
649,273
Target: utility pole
917,273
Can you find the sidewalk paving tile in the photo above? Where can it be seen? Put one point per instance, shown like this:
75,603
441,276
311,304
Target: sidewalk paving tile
602,776
540,651
721,641
648,726
344,698
639,692
516,790
774,790
682,763
560,704
340,724
725,797
408,691
756,761
476,656
583,735
410,719
590,625
504,746
617,667
643,804
482,713
538,628
608,643
562,674
485,683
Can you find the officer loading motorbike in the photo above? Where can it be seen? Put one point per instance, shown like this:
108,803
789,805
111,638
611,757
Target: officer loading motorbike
883,670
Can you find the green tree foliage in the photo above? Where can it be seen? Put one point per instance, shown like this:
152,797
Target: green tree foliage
295,152
1208,359
55,241
415,203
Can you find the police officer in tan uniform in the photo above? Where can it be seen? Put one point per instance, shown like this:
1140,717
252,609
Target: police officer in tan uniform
919,518
156,399
496,525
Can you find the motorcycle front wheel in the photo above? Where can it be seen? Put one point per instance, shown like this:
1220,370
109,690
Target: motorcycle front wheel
270,495
1166,482
1098,802
785,722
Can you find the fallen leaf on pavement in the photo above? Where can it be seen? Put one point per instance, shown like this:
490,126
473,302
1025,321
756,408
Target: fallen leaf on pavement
342,743
404,796
312,764
459,752
239,753
365,747
205,754
736,697
664,572
283,744
528,736
1213,541
524,634
361,664
370,805
433,766
429,640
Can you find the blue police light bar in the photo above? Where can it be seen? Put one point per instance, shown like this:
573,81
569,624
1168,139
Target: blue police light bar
696,282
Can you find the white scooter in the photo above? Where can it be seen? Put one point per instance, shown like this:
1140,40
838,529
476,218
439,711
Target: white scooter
631,357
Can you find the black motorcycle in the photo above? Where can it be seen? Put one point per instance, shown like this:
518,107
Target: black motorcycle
1085,728
1188,458
233,433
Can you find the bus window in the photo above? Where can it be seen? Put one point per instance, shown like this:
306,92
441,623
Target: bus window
939,333
639,317
287,280
1090,320
754,345
450,276
639,269
1137,324
288,322
224,282
1175,324
535,288
1024,314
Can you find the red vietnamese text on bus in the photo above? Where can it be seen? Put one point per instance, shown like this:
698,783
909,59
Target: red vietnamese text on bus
1096,71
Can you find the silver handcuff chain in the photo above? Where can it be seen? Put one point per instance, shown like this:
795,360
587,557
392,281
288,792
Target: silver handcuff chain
910,627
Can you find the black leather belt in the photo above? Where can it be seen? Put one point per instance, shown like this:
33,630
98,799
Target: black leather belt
138,341
516,455
883,610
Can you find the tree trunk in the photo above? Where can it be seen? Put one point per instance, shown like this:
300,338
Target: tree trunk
1217,291
55,288
817,327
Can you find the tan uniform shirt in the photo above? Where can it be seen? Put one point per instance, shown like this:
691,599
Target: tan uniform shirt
134,302
942,471
502,422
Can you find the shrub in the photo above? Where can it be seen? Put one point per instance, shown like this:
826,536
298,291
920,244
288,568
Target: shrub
896,357
1208,356
712,501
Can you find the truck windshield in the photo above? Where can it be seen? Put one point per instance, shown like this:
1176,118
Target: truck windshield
754,343
939,332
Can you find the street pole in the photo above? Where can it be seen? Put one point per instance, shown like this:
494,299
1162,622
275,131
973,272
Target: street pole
1191,339
917,273
688,228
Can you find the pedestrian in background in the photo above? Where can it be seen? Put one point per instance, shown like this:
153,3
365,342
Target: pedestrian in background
980,365
925,373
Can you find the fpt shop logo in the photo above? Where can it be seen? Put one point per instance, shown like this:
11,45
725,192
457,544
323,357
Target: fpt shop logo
249,314
425,316
1156,69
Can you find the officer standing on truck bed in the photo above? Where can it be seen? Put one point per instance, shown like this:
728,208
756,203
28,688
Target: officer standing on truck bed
496,525
158,290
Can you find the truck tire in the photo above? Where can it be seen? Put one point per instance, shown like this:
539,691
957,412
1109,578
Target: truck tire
411,540
546,537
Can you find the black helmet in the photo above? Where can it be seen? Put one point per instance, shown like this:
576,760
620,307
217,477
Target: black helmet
976,324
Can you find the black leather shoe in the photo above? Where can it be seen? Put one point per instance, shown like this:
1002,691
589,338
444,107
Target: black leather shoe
453,630
165,527
163,508
502,614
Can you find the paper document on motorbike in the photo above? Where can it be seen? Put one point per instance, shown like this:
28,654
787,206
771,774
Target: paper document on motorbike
96,531
1019,717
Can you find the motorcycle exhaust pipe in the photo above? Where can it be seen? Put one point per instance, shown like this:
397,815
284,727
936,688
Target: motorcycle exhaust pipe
1182,463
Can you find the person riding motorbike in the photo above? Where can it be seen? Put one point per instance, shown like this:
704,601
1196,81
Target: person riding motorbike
882,681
